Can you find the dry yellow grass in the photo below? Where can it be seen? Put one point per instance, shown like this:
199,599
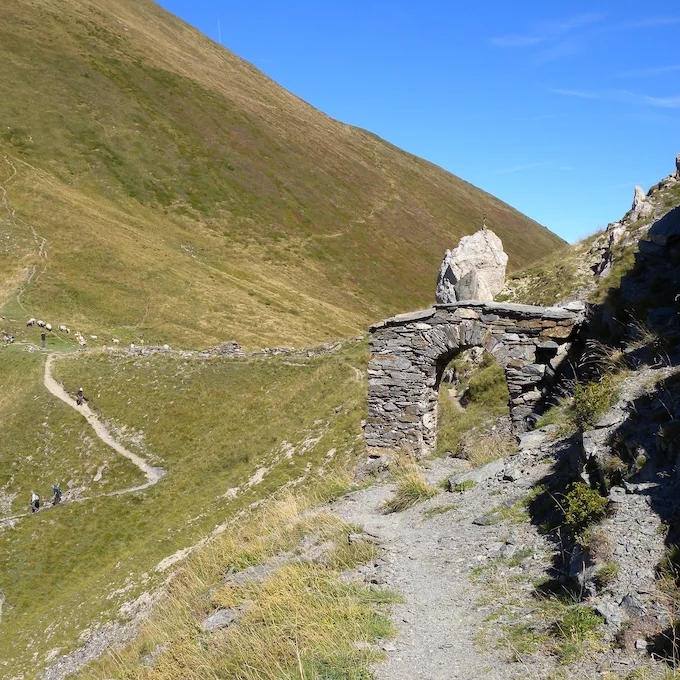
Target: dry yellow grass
412,487
301,622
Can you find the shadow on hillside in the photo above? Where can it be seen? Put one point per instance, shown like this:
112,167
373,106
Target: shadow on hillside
643,458
644,301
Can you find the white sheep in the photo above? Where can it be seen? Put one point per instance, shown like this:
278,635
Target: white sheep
93,337
48,326
65,329
30,322
41,323
115,341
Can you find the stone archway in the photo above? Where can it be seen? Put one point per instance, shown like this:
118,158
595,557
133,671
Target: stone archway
409,352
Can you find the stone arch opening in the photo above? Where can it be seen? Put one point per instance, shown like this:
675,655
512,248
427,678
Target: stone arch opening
410,352
475,396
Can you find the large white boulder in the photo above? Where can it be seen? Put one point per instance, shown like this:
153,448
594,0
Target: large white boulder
475,270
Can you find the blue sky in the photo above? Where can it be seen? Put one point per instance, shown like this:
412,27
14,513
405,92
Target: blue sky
557,108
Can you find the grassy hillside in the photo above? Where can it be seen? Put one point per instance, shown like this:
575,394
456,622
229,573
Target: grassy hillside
228,433
157,187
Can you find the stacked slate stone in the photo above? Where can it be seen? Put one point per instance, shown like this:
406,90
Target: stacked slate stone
410,352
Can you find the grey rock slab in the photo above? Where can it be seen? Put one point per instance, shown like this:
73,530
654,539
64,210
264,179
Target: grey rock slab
407,317
536,438
610,611
219,619
667,229
479,474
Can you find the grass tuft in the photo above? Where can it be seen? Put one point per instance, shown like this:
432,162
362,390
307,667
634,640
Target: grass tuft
412,487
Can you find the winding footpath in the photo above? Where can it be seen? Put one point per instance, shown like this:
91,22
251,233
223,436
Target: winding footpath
153,474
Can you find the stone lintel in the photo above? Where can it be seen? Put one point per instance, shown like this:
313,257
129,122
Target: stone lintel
511,309
402,319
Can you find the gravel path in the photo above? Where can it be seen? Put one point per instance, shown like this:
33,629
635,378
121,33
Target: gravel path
153,474
428,557
425,561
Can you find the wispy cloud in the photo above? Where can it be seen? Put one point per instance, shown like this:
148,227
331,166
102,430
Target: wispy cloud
569,36
546,31
660,102
652,71
521,168
650,22
581,94
625,96
517,40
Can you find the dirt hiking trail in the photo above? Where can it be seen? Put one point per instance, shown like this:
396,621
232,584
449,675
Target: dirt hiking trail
466,565
153,474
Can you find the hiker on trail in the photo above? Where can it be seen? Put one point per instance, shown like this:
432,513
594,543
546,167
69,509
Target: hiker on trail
56,497
80,398
35,502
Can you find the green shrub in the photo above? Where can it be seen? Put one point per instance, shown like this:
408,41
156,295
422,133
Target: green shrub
582,506
467,485
606,575
591,401
577,626
412,488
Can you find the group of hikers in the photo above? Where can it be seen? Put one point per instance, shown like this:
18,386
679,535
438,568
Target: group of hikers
35,498
56,491
7,338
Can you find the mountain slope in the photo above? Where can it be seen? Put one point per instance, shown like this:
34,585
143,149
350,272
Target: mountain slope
158,187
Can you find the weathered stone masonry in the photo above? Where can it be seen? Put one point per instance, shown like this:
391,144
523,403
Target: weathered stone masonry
410,352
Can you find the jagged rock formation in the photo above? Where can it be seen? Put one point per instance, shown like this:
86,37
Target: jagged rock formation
641,206
626,232
475,270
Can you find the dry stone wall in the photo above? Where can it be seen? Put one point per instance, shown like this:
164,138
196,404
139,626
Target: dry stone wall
409,353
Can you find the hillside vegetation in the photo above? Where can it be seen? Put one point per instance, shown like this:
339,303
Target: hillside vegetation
156,187
571,272
228,433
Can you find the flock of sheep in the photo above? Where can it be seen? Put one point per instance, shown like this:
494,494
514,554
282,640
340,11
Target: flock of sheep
65,329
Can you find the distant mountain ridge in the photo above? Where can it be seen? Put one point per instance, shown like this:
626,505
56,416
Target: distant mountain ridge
160,188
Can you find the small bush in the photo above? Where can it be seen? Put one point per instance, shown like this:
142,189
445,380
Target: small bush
606,575
576,627
582,506
591,401
467,485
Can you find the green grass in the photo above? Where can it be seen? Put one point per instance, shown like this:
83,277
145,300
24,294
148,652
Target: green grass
43,441
210,423
553,278
412,487
439,510
186,198
486,399
464,486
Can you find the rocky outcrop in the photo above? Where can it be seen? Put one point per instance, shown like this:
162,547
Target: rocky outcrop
625,233
641,206
475,270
